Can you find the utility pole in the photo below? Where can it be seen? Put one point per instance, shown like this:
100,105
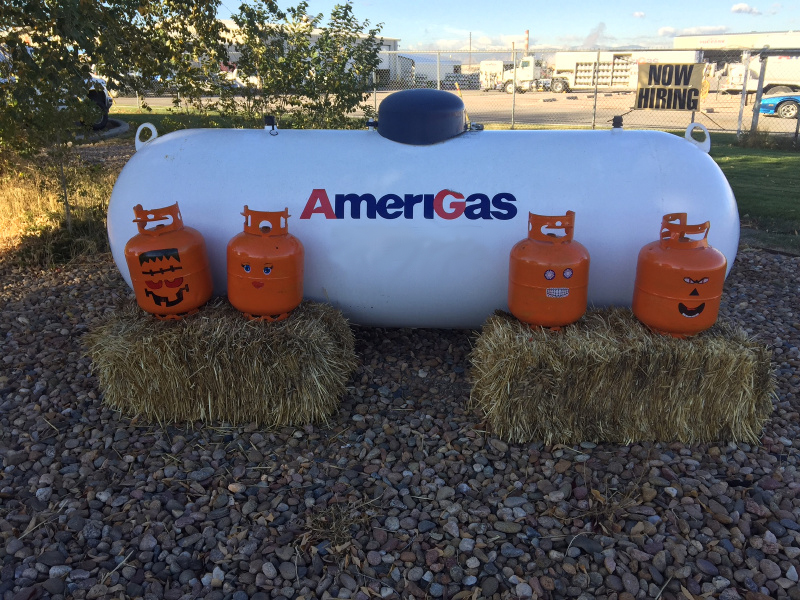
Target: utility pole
470,51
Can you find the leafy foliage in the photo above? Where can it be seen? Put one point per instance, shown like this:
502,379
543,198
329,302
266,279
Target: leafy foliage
307,74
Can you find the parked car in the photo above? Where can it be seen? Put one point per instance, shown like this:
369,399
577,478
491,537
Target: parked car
97,93
783,105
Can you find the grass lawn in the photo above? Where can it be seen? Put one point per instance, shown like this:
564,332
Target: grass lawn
766,184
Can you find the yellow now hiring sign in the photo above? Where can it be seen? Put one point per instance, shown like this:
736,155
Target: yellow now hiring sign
669,87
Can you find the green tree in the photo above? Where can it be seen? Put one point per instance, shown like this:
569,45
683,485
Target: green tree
342,61
50,48
292,67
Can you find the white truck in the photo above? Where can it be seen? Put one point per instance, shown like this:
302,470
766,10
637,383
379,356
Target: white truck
612,70
582,70
491,73
782,75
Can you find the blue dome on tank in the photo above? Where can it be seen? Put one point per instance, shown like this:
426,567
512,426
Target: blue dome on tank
421,117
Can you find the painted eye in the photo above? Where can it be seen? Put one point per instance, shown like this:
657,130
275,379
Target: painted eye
688,280
549,274
703,280
567,273
246,268
267,270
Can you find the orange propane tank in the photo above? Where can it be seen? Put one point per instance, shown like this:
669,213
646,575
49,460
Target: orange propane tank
265,267
548,275
168,264
679,279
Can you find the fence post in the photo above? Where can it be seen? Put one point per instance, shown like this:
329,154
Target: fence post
759,93
514,83
438,70
746,63
375,90
596,74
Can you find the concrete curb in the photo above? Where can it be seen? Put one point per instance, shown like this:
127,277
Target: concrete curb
113,129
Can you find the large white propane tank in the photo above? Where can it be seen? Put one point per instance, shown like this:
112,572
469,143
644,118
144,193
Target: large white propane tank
412,225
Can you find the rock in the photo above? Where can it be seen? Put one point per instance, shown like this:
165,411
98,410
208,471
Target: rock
348,582
202,474
466,545
514,501
769,568
54,585
791,573
510,551
425,526
508,527
706,567
444,493
147,543
523,590
587,544
489,587
59,571
52,558
288,570
630,583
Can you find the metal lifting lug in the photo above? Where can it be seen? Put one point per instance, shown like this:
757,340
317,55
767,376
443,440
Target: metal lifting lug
270,124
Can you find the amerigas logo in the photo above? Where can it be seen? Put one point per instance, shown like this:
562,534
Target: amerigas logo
446,204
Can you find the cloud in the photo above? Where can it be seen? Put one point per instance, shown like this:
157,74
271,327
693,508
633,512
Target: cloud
638,15
480,42
701,30
775,8
744,8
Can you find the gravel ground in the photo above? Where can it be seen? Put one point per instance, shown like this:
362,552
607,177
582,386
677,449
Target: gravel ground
405,494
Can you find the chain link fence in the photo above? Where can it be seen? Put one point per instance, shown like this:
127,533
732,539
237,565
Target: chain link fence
585,89
551,88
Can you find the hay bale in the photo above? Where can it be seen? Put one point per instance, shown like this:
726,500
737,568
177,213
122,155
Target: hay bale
609,378
218,366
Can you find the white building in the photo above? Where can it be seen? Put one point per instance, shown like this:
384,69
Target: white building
756,40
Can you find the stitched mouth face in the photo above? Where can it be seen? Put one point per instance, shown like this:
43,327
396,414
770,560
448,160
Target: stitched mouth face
159,300
690,312
557,292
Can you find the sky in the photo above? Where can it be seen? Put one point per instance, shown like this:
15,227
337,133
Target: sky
447,24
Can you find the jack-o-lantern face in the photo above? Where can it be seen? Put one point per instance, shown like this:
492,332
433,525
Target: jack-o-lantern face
162,277
167,263
679,279
697,309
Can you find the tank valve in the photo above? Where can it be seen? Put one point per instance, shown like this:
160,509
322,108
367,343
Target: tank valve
269,123
616,122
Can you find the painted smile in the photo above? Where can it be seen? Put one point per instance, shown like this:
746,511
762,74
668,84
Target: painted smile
557,292
690,312
159,300
258,284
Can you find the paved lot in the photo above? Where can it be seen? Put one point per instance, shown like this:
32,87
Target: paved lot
718,112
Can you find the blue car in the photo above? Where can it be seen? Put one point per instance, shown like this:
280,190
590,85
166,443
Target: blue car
784,105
